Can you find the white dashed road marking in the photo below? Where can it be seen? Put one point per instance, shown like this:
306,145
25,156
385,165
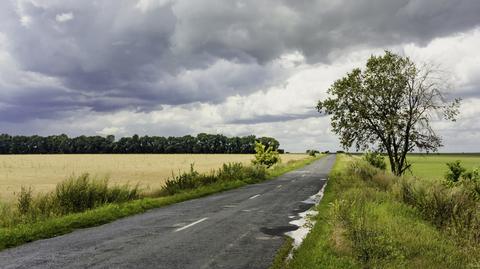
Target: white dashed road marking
253,197
190,225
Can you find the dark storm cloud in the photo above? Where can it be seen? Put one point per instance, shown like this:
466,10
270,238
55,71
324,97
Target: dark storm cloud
114,55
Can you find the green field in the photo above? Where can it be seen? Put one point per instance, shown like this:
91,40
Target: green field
433,166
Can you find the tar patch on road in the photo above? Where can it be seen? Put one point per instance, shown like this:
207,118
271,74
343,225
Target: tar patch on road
302,207
279,230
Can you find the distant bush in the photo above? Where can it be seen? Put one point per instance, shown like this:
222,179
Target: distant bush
455,171
312,152
376,159
265,156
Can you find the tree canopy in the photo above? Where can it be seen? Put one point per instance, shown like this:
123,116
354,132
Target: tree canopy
389,107
62,144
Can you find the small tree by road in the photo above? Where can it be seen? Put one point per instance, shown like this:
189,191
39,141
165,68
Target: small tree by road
388,107
265,155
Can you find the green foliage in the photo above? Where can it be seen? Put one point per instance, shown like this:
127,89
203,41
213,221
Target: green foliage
82,193
228,172
265,156
473,175
388,104
24,200
312,152
455,171
369,243
375,159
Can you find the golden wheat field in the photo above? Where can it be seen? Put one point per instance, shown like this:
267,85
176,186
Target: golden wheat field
43,172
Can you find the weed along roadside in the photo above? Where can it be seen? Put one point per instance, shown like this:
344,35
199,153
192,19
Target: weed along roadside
37,222
369,218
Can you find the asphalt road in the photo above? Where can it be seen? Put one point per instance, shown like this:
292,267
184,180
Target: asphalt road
241,228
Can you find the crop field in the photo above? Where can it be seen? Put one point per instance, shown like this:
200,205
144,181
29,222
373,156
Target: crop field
434,166
43,172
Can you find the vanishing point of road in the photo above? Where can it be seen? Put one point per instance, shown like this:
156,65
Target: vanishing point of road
240,228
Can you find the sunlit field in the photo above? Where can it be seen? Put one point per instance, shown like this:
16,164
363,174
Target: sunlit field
43,172
434,166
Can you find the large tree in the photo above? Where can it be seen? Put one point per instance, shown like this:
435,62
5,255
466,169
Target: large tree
388,107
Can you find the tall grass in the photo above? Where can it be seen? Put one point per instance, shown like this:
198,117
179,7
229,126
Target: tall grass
453,209
228,172
76,194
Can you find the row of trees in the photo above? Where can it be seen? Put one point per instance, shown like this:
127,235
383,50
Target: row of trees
62,144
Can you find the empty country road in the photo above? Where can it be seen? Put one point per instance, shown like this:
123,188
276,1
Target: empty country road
240,228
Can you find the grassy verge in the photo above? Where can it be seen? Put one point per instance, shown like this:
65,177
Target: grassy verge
363,222
282,254
50,227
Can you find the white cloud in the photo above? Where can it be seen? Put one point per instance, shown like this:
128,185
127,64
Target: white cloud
64,17
25,21
146,5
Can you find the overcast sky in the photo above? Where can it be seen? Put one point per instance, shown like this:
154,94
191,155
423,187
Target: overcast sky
178,67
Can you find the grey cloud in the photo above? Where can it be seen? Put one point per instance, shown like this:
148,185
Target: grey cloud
275,118
112,55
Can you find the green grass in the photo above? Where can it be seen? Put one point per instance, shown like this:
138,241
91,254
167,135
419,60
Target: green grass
433,166
362,224
55,226
282,254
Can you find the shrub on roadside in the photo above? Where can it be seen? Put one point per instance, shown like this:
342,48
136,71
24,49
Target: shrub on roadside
451,208
265,156
455,171
375,159
82,193
312,152
228,172
369,243
70,196
24,200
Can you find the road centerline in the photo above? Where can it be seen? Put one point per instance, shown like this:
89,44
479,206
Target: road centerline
253,197
190,225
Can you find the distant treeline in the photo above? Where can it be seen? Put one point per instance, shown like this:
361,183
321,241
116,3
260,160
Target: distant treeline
62,144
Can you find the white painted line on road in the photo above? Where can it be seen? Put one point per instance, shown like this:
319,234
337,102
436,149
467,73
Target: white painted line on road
279,186
253,197
190,225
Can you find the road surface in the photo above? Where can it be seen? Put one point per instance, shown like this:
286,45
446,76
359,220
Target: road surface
241,228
